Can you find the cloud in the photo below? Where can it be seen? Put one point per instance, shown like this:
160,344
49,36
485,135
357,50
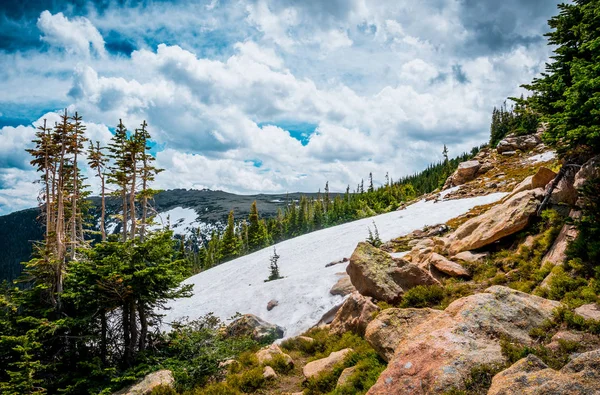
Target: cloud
224,84
78,35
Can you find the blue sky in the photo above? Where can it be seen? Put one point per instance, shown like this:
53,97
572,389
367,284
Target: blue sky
260,96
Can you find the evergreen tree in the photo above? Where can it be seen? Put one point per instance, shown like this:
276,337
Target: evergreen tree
257,237
229,242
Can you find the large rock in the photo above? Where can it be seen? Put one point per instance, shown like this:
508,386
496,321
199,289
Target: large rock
354,315
343,287
313,368
471,257
375,273
589,311
148,383
391,326
345,376
500,221
439,353
538,180
565,192
589,170
266,354
465,172
531,376
255,327
522,143
447,267
557,253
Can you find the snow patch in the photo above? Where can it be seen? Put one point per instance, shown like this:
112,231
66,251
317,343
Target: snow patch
182,220
543,157
303,293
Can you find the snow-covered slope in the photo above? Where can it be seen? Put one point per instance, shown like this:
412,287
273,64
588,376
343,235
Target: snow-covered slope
303,295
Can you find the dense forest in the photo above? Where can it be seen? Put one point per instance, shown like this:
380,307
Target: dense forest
84,318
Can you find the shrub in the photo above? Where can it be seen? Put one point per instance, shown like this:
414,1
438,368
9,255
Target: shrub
215,389
280,364
248,381
423,296
163,390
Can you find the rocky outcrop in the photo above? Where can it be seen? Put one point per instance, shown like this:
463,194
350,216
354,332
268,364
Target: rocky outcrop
329,316
589,311
522,143
313,368
354,315
375,273
342,287
500,221
266,354
391,326
531,376
447,266
148,383
253,326
439,353
465,172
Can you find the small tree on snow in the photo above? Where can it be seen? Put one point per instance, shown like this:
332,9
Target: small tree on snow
274,267
374,238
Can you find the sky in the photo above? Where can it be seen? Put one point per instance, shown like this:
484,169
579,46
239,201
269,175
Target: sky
265,96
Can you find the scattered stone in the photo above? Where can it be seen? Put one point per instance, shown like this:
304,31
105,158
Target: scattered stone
354,315
589,311
509,153
255,327
391,326
500,221
269,373
511,143
313,368
532,376
147,384
346,373
471,257
272,303
343,286
569,336
440,352
227,363
266,354
448,267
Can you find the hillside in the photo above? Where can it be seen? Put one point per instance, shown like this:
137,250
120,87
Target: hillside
303,294
19,230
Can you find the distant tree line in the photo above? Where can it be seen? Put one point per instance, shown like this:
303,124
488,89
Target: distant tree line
307,214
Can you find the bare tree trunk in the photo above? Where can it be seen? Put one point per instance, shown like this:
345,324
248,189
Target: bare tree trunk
133,328
74,198
103,205
103,325
124,198
126,334
143,326
132,198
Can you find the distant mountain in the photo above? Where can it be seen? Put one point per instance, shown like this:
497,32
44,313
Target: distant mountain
182,209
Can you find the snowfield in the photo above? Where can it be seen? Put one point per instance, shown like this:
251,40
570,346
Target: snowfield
303,295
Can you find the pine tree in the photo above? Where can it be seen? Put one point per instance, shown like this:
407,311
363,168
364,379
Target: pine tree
257,237
371,187
274,268
229,242
98,161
